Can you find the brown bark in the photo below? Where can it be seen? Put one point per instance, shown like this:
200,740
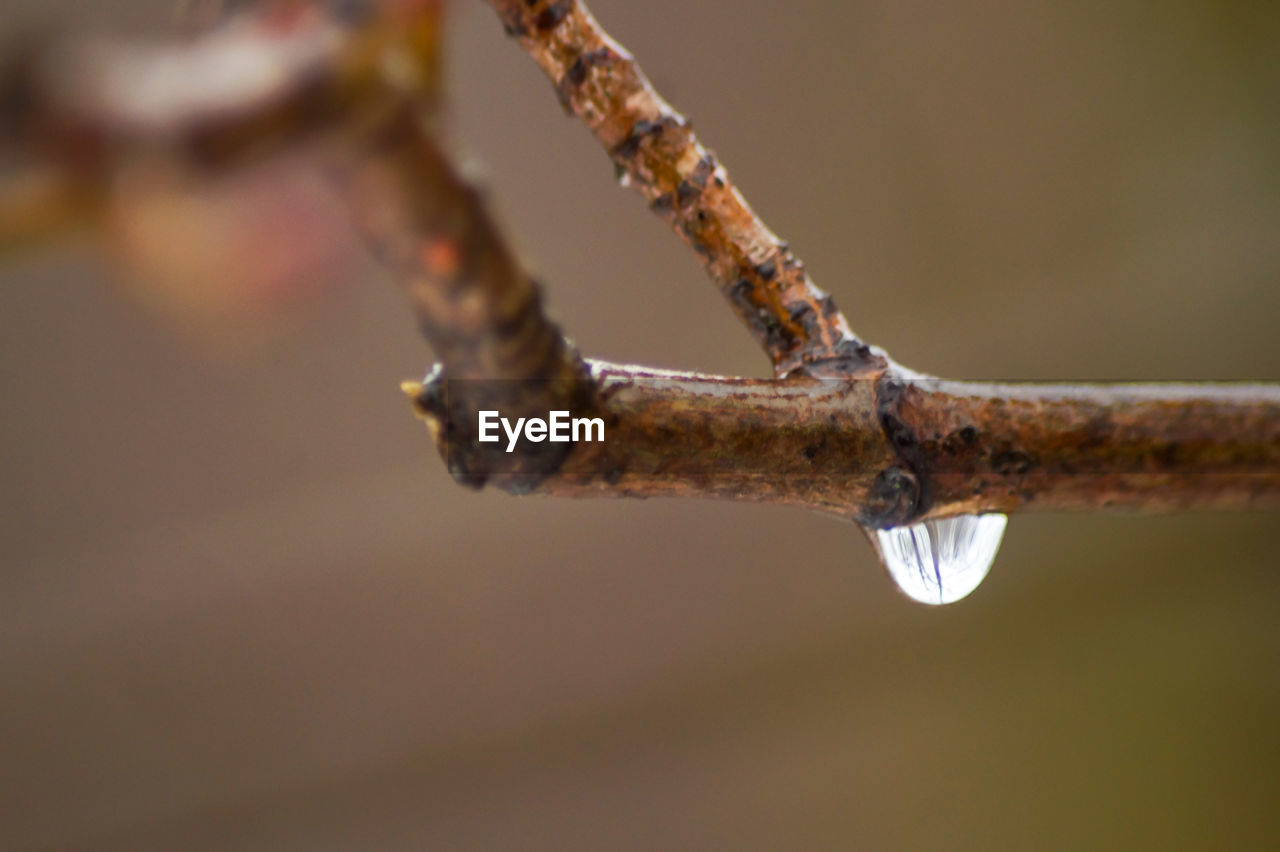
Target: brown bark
94,107
847,432
474,301
1006,447
598,81
894,450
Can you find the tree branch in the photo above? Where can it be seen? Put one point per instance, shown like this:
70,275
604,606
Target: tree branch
847,432
943,448
259,83
654,146
475,303
975,447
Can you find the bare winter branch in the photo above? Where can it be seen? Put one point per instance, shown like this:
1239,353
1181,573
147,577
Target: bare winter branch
845,430
475,303
655,147
973,447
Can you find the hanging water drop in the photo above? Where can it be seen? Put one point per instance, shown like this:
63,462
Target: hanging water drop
941,561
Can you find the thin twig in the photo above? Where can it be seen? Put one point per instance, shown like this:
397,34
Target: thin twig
474,301
1040,447
655,147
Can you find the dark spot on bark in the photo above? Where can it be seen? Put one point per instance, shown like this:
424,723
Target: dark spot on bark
662,203
647,128
704,169
686,192
577,73
767,270
960,440
614,474
894,499
1012,462
1165,456
854,352
775,336
631,145
811,452
552,15
802,315
906,446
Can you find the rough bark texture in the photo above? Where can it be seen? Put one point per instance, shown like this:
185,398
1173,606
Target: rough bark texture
846,431
654,146
1006,447
954,447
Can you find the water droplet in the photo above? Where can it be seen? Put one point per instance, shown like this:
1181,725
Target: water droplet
941,561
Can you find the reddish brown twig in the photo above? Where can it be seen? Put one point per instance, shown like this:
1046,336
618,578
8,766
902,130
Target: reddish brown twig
938,452
474,301
476,304
261,82
654,146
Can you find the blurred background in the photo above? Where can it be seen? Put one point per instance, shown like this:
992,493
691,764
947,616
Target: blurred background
242,605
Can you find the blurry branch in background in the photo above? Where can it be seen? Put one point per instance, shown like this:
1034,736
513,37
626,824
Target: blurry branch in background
843,429
475,303
95,109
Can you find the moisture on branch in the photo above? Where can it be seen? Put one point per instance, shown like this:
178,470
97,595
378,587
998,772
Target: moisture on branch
843,430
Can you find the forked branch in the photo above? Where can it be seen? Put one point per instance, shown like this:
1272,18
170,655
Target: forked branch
844,431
